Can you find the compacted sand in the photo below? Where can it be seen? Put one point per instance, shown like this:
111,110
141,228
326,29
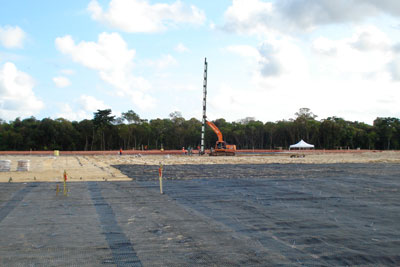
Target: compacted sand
99,167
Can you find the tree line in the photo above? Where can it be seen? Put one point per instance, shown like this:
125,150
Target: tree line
107,132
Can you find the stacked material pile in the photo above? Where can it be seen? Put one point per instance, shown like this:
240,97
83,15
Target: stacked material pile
5,165
23,165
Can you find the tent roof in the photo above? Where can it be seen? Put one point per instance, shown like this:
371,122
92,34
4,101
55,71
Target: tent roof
301,144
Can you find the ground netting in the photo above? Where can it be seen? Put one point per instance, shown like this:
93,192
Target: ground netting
210,215
276,170
329,214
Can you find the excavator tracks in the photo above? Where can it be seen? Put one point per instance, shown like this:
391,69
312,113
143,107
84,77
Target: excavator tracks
220,153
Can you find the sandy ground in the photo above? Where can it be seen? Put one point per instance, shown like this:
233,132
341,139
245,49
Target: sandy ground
99,168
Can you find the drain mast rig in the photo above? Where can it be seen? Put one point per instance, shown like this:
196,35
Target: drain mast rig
203,126
221,147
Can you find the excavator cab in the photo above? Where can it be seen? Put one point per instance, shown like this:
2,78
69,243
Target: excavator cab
221,145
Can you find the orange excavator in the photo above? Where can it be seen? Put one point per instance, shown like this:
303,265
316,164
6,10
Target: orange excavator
221,147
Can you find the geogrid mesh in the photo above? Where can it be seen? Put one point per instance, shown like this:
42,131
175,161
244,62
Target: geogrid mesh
120,245
231,215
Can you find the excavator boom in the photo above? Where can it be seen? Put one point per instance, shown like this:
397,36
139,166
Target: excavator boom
216,130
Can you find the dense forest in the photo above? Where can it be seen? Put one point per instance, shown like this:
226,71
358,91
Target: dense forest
106,132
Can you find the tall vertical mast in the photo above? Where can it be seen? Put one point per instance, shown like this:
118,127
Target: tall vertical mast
204,106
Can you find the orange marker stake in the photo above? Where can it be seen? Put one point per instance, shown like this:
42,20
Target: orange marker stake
65,184
160,169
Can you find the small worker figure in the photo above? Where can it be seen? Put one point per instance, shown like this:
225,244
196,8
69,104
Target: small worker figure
183,151
120,151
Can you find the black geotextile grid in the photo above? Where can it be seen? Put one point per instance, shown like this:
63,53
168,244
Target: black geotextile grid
275,170
329,214
121,247
15,200
218,215
56,256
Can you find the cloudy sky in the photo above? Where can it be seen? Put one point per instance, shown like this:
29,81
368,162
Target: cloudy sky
267,59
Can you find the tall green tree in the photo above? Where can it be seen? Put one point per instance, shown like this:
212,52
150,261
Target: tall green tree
387,130
85,129
102,121
305,125
133,120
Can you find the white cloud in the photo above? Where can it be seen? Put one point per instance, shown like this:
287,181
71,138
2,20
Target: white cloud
90,103
309,13
366,53
180,87
164,62
278,68
271,63
113,60
72,114
324,46
396,48
12,37
247,51
141,16
274,58
212,26
81,108
61,81
356,100
354,77
181,48
256,16
369,38
248,16
17,98
394,68
68,72
109,52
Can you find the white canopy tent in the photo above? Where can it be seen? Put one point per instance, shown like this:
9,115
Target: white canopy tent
301,145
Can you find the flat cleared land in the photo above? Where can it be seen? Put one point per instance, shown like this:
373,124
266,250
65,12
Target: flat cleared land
343,209
99,167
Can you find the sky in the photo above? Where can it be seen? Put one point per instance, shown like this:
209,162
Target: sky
266,59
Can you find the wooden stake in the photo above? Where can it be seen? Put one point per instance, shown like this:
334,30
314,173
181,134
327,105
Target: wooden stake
65,183
160,178
65,189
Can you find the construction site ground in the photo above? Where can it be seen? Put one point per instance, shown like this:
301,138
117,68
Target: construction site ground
325,210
